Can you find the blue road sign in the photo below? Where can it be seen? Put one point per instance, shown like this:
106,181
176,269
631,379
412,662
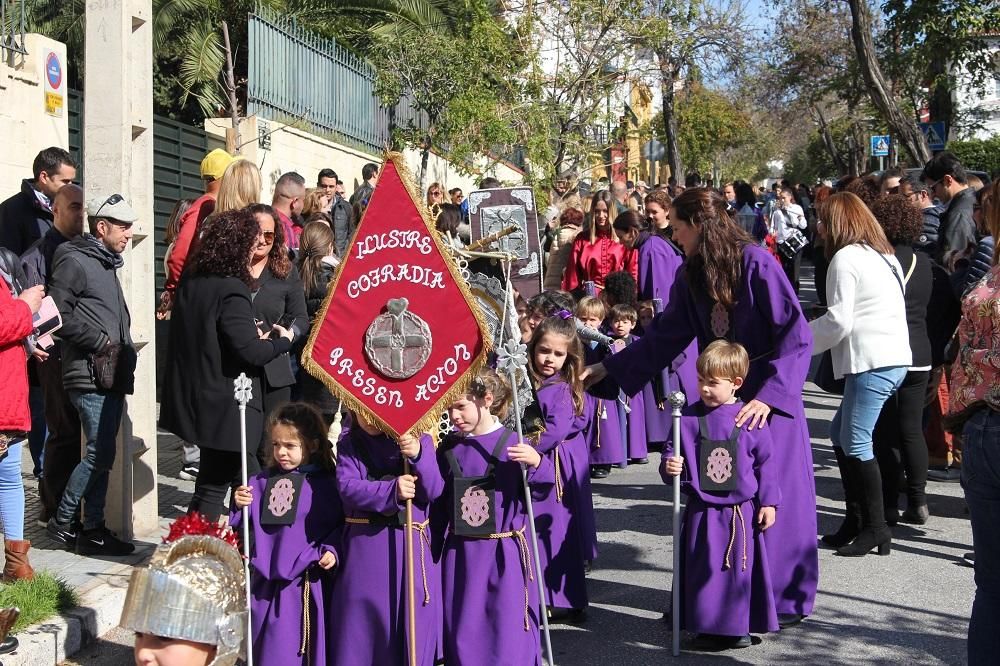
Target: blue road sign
880,146
935,134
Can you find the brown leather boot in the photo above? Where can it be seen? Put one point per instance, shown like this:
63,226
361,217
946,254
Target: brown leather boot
16,566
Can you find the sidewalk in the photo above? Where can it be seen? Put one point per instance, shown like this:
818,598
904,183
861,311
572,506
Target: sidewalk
101,582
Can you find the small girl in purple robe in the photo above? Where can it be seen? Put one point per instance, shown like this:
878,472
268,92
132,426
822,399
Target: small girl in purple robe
608,433
295,525
730,480
488,568
370,626
622,320
564,517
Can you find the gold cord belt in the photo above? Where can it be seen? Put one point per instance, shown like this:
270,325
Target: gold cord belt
559,482
423,536
306,621
737,512
522,546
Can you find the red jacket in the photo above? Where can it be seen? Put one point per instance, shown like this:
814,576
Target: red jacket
188,228
593,261
15,325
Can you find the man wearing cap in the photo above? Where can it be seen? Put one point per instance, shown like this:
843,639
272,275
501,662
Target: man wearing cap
212,168
98,361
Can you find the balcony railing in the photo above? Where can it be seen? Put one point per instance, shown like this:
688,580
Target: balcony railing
11,27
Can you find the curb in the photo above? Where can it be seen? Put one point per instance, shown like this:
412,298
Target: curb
62,636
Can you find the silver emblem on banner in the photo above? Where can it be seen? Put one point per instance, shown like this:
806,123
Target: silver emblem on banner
398,342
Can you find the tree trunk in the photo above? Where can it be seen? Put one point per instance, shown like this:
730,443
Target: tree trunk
424,157
230,86
668,75
904,129
828,142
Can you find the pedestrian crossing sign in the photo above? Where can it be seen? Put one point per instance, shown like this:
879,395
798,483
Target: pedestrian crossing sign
935,134
880,145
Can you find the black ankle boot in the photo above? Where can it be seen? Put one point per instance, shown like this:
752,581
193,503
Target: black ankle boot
851,526
875,533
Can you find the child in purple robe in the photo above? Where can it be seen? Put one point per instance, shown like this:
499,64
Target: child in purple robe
295,525
607,444
488,568
564,518
622,320
730,480
370,626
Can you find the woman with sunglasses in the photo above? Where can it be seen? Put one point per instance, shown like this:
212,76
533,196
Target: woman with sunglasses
213,338
278,298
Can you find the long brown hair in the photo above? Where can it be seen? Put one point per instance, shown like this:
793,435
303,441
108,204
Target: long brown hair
849,222
314,244
572,368
312,430
488,381
609,201
717,268
277,259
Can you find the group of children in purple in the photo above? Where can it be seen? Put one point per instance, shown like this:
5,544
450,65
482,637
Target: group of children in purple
328,568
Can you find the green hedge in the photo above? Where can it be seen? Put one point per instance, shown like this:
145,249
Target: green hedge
978,154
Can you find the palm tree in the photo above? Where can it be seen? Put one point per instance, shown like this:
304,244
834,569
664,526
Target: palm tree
188,46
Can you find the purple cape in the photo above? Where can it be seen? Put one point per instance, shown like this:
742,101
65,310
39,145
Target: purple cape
282,556
736,599
659,265
369,625
768,321
564,515
485,580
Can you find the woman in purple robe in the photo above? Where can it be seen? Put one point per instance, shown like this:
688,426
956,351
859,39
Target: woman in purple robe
490,591
733,289
369,623
564,516
295,539
659,263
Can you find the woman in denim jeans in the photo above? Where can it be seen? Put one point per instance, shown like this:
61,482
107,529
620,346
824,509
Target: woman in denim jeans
865,330
975,412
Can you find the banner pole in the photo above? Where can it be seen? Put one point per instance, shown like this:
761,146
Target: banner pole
411,595
243,393
677,400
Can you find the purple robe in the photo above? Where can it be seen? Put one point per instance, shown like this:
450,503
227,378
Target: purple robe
721,593
486,619
369,625
608,433
659,264
768,321
564,515
282,557
635,422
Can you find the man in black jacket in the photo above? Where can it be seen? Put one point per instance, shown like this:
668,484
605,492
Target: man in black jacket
84,284
947,181
914,189
26,216
62,444
340,210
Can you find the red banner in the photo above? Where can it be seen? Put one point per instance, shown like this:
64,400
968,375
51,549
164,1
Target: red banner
398,337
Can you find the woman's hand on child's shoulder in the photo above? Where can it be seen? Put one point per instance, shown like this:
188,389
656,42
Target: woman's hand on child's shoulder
406,487
766,517
243,496
328,561
525,454
409,446
673,466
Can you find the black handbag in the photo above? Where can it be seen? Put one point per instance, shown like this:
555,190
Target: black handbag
824,377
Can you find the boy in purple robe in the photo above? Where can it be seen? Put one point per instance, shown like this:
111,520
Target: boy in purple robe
623,319
490,591
762,314
608,434
295,526
730,480
370,625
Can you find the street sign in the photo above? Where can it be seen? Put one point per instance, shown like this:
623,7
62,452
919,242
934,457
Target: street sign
934,132
880,146
55,84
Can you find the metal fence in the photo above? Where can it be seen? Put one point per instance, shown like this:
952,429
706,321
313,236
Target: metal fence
297,75
12,23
